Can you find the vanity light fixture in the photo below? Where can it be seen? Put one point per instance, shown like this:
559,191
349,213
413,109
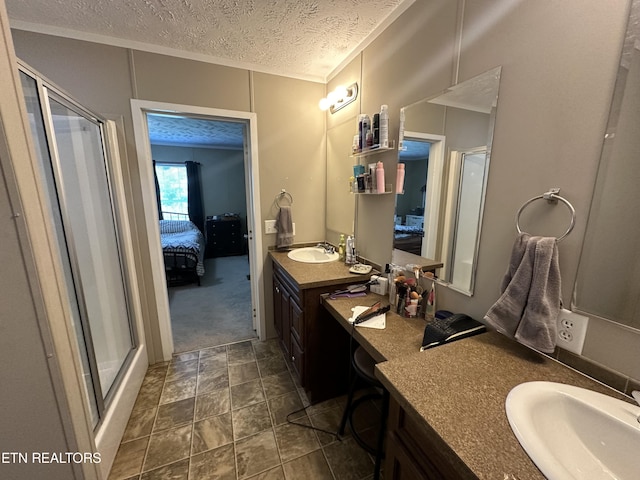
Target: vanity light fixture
339,98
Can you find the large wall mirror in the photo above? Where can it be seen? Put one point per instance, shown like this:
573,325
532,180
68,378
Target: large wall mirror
445,146
608,282
340,200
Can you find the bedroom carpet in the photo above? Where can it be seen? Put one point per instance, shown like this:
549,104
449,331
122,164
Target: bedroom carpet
218,311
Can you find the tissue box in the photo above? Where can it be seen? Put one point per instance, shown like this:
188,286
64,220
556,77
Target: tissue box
381,287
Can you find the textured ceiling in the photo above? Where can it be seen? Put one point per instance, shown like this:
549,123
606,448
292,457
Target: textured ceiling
296,38
194,132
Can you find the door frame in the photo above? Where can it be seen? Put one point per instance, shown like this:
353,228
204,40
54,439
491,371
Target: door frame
139,109
434,189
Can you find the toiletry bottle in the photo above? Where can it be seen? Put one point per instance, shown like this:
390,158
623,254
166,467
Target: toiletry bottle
400,179
366,127
384,126
380,178
376,129
374,177
354,256
348,255
430,309
341,248
360,134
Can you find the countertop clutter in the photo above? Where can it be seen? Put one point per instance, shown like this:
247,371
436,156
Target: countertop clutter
454,394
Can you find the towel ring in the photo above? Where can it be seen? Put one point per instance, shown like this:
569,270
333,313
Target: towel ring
552,197
285,194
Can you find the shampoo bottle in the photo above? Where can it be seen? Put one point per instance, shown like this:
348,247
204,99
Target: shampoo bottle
400,179
380,178
384,126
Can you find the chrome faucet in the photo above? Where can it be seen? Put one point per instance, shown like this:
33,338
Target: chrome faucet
636,396
328,248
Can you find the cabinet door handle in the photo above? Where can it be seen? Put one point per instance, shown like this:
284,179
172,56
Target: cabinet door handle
277,289
293,358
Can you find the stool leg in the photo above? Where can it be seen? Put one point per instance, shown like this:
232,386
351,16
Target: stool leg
347,408
381,434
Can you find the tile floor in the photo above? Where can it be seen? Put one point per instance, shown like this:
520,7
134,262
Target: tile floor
221,413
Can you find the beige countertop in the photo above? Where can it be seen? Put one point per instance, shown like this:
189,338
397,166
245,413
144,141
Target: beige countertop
458,390
312,275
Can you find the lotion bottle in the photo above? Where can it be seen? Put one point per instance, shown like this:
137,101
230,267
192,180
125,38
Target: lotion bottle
400,179
384,126
380,178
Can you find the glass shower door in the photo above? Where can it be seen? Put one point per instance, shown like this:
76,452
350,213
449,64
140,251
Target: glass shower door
70,147
87,206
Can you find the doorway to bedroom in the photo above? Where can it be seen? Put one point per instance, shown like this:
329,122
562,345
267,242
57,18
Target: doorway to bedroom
213,304
201,161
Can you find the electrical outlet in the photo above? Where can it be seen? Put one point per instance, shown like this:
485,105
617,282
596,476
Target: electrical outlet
270,227
572,330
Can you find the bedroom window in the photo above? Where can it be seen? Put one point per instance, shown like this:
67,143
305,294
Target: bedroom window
172,179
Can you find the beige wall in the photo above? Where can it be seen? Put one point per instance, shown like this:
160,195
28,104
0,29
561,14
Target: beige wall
559,65
291,145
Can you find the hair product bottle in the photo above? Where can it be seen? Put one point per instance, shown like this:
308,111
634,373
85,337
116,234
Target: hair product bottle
348,256
380,178
384,126
376,129
366,128
341,248
400,179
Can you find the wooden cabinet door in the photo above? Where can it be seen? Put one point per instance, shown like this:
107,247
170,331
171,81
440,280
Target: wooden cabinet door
282,314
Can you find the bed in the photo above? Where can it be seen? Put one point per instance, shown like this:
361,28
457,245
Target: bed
408,238
183,250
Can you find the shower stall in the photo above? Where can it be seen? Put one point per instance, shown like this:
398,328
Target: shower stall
78,175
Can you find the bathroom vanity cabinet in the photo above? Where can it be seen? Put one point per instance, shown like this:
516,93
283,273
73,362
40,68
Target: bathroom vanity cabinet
412,452
316,346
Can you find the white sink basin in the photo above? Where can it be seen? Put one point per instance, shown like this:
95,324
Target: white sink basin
574,433
312,255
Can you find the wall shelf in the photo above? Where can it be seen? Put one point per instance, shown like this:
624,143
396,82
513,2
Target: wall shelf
374,150
372,193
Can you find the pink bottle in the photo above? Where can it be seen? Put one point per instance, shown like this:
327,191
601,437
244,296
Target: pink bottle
380,177
400,179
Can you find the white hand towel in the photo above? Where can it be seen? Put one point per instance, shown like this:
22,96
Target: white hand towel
284,225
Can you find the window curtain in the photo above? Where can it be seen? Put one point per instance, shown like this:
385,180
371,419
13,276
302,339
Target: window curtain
194,191
158,202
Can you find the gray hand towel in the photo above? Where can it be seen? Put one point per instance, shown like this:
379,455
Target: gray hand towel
538,327
284,225
529,305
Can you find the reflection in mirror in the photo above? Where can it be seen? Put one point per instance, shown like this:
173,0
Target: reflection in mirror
608,282
340,202
445,147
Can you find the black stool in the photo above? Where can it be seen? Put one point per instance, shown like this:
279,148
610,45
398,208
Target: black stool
362,366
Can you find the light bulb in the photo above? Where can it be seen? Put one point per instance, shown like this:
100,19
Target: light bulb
341,92
324,104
